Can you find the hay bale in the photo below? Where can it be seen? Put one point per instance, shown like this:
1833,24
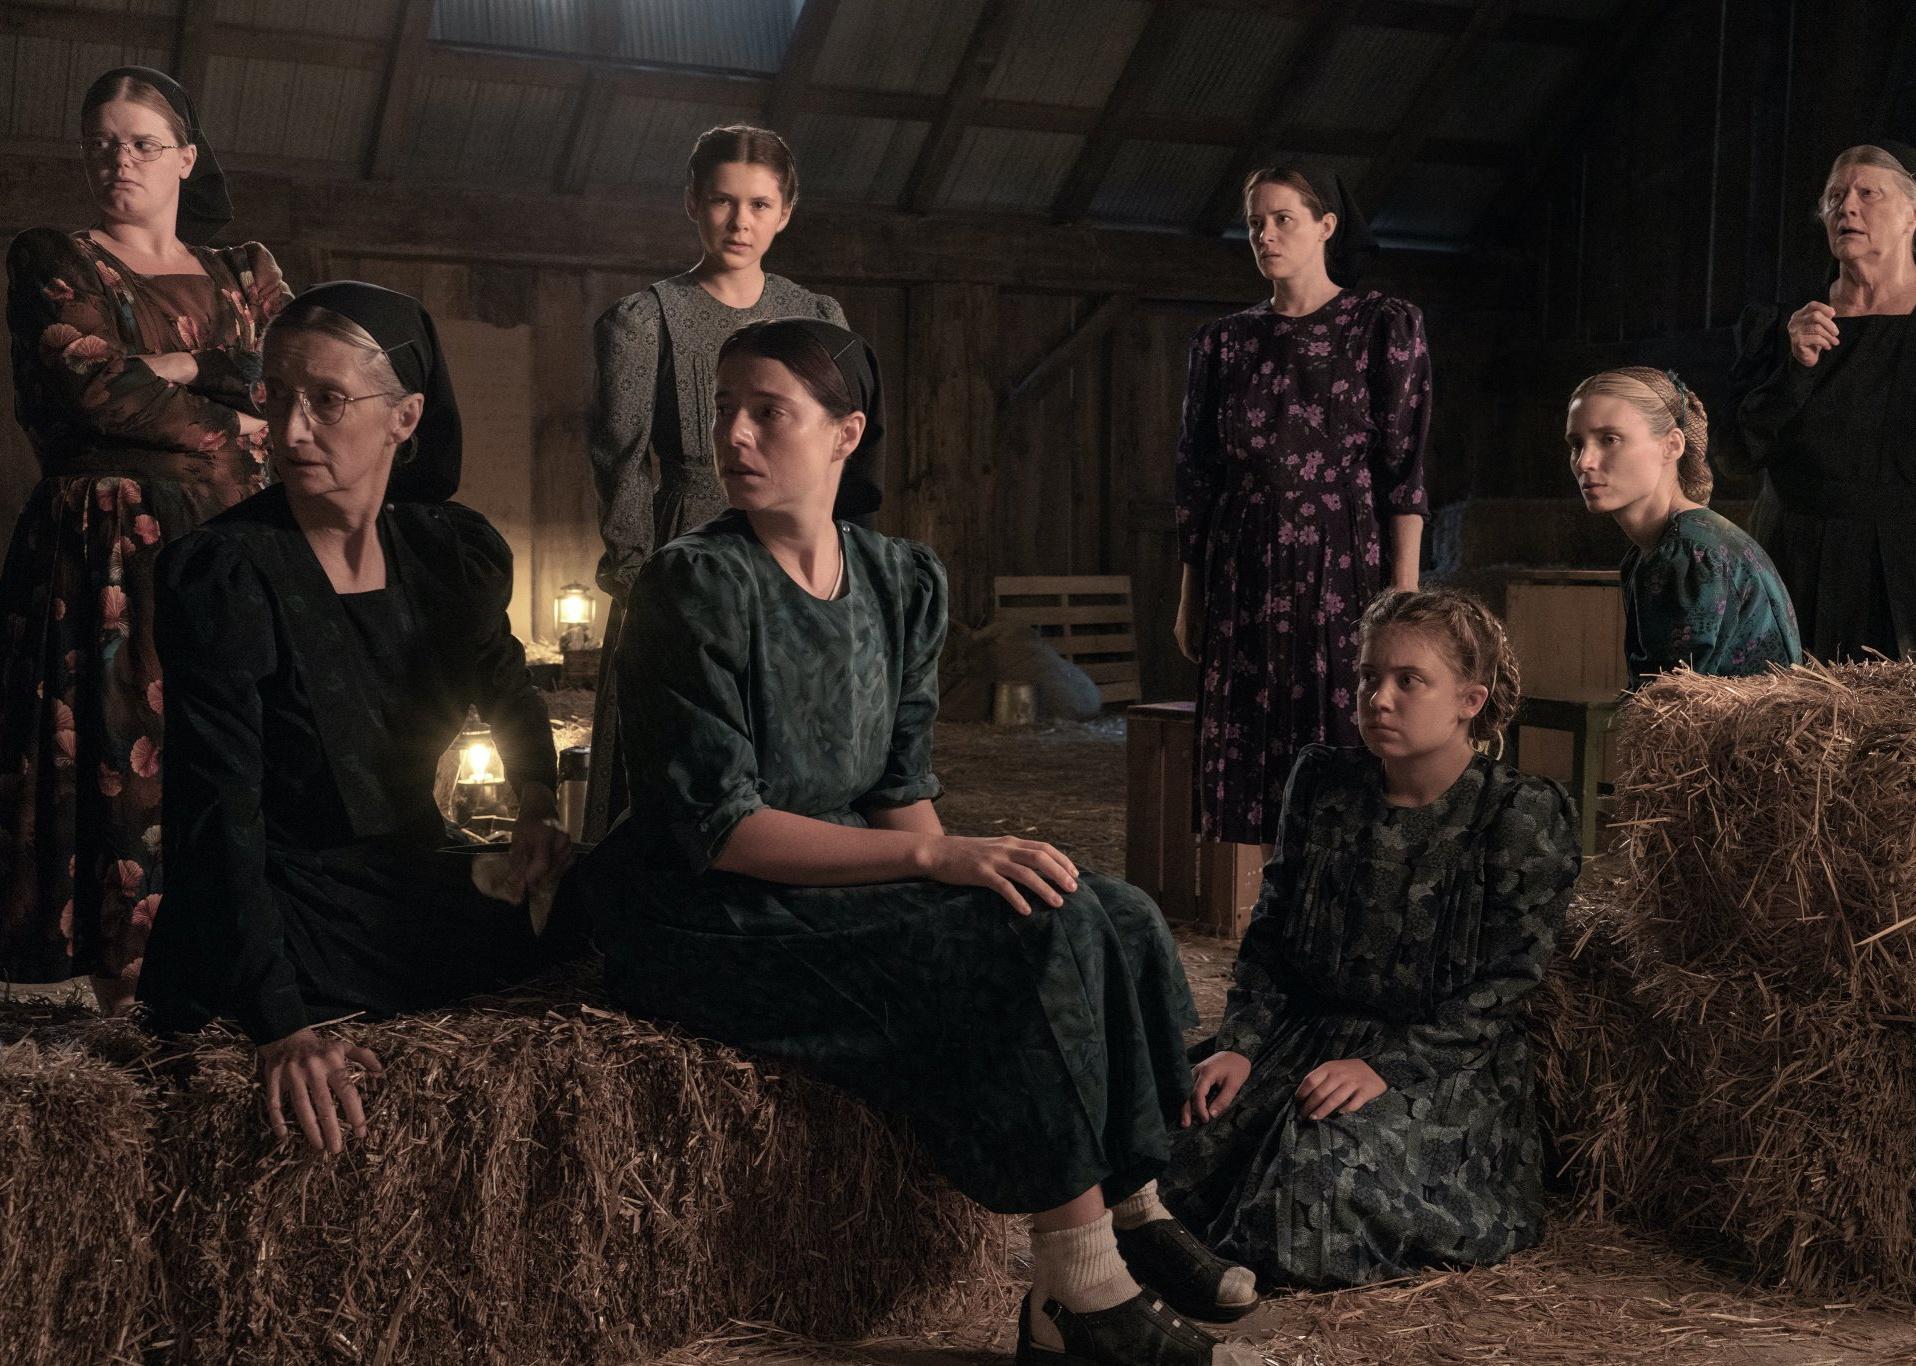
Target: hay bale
77,1266
1769,825
544,1181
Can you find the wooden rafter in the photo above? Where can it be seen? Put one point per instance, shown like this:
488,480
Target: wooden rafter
605,31
809,31
1156,42
1271,126
1067,352
1569,116
193,49
987,43
1435,96
410,35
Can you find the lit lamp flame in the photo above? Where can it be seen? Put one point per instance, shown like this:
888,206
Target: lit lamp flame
572,613
479,760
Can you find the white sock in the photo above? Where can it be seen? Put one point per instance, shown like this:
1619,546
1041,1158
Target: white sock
1237,1286
1079,1268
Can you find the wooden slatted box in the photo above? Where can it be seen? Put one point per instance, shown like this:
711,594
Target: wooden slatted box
1087,618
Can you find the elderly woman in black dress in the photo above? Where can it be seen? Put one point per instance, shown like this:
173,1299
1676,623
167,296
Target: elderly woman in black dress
322,641
1830,415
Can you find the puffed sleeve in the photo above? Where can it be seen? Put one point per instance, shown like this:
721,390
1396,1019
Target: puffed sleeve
1774,386
502,686
830,312
1257,998
218,945
625,348
1683,591
230,373
61,317
908,776
1530,866
1199,472
683,662
1399,383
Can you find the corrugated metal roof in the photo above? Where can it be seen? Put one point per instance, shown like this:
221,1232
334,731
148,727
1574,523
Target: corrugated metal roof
1371,76
1437,204
345,18
45,78
645,142
1510,88
1009,169
897,45
1068,52
1159,184
488,130
289,109
536,24
734,35
160,7
1224,64
860,160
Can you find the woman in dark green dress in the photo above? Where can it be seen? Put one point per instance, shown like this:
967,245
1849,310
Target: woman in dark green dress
1369,1107
322,641
1697,590
782,882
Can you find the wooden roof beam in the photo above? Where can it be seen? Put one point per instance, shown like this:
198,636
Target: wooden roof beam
192,50
940,149
605,30
403,71
1156,42
1272,123
1436,95
1066,353
807,44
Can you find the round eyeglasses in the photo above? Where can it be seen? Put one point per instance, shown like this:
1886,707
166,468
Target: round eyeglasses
142,149
324,408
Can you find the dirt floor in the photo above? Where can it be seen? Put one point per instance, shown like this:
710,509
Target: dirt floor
1591,1293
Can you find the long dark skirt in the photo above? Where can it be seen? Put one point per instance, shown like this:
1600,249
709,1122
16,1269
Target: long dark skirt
1033,1057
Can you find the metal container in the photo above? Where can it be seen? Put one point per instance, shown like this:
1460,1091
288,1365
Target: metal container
575,766
1014,704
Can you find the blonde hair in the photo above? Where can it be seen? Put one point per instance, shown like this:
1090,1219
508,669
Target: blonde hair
1470,636
1668,405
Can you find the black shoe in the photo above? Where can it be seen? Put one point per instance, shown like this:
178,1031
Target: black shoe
1164,1256
1139,1332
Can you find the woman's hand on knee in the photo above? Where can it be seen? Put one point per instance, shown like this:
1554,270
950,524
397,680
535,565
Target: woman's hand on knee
1215,1084
1341,1087
315,1079
1013,868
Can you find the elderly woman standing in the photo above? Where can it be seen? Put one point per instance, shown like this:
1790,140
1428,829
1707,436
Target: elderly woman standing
1830,417
657,351
322,642
135,365
1300,496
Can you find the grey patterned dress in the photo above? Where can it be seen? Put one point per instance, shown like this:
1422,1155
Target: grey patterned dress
1404,937
1034,1056
651,447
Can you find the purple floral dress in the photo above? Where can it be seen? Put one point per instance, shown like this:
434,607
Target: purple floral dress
1301,437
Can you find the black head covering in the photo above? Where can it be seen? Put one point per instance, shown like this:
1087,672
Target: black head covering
205,207
859,494
404,330
1351,248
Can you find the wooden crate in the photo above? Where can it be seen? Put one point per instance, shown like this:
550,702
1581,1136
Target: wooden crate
1566,626
1087,618
1230,876
1160,846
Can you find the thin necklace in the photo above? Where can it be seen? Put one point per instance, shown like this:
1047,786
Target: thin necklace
838,584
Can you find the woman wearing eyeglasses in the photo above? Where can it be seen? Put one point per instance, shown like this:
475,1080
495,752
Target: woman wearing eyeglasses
136,364
322,641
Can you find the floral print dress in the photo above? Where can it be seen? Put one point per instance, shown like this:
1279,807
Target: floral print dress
128,462
1706,596
1301,438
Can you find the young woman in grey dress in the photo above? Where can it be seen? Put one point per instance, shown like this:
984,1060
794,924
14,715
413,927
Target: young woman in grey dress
651,440
1369,1108
782,881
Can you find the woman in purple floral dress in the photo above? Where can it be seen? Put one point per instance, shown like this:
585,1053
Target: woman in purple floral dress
1300,496
135,366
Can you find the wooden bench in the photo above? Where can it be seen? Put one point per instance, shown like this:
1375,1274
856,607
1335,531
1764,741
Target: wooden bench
1087,618
1586,715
